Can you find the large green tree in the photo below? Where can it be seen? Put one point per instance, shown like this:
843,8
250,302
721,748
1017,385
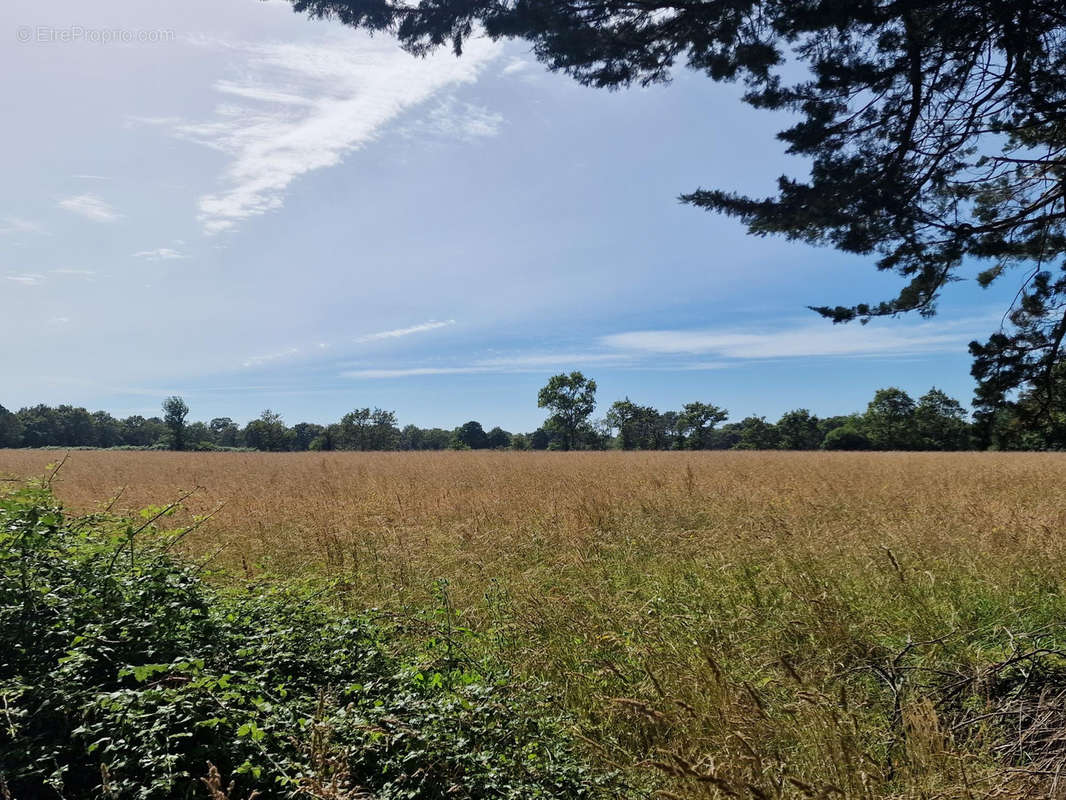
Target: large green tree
10,429
889,420
696,422
934,130
571,399
175,410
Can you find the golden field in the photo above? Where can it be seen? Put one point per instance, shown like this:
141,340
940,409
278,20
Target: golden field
719,623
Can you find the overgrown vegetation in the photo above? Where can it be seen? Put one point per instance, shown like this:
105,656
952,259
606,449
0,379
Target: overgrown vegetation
124,675
728,624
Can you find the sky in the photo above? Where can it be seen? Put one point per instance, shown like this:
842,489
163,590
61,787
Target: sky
224,200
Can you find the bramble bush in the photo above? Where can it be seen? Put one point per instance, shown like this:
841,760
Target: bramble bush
123,674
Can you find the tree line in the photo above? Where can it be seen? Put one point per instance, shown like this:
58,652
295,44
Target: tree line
892,420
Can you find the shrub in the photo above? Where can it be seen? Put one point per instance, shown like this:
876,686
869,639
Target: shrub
123,674
846,437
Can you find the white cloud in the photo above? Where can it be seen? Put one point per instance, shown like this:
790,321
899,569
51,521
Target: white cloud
159,254
91,207
256,361
453,119
93,177
535,362
516,65
818,339
413,371
9,225
26,278
398,332
300,107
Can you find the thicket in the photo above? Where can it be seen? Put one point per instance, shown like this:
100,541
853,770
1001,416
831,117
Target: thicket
124,674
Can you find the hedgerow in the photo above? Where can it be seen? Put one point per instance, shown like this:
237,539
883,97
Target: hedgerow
124,674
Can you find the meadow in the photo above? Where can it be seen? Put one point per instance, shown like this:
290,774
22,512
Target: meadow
719,624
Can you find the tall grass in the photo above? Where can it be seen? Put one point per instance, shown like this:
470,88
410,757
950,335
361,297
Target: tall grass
748,624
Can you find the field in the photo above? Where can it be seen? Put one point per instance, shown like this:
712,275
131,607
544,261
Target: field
719,624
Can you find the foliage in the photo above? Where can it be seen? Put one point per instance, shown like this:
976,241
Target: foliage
571,400
846,437
174,412
933,130
471,436
892,421
886,626
124,674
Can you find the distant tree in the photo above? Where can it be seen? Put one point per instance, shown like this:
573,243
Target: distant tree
757,434
697,420
10,429
383,433
621,417
540,439
198,436
498,439
141,432
107,431
599,434
303,433
328,439
571,399
436,439
267,433
799,430
653,430
940,422
724,438
76,427
889,420
846,437
224,431
174,413
355,430
827,424
411,438
471,435
40,426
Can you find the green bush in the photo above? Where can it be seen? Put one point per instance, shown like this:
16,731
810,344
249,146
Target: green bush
122,674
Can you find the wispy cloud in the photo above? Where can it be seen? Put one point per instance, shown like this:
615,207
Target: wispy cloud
699,350
160,254
300,107
87,274
396,333
12,225
517,65
85,177
527,362
540,360
26,278
91,207
257,361
802,340
454,119
409,372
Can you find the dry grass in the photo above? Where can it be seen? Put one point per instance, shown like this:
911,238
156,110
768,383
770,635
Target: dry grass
754,624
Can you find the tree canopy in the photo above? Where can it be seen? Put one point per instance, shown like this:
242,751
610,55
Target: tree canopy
935,131
571,399
893,420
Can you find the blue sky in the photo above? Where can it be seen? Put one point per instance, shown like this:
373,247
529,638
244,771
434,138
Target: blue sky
254,210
